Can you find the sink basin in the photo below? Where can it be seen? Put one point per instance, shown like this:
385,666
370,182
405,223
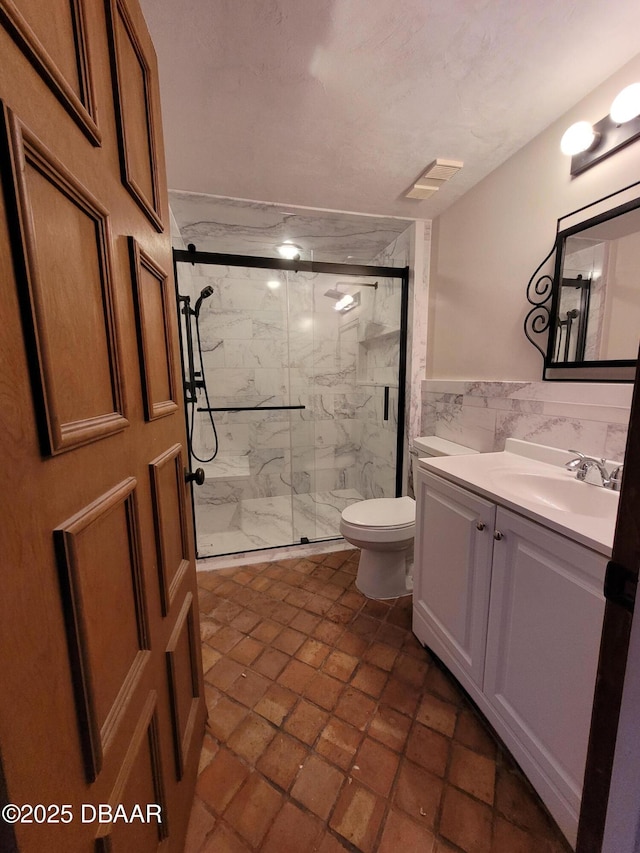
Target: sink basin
531,480
558,492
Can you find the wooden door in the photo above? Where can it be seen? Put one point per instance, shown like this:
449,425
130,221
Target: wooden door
101,701
620,591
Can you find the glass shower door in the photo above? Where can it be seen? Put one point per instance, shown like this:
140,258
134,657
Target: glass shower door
240,420
344,358
293,399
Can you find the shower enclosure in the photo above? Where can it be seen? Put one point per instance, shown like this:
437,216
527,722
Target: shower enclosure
294,378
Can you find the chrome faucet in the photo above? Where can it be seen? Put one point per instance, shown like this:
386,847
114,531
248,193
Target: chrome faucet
593,471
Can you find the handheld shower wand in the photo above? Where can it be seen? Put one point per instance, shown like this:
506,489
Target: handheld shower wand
205,293
197,379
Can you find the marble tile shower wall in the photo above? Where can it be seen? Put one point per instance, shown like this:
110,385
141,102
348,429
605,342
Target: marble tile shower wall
591,417
379,451
412,249
378,333
286,346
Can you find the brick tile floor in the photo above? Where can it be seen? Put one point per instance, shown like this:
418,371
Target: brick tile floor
331,729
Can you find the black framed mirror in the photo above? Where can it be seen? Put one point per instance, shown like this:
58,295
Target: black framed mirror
594,318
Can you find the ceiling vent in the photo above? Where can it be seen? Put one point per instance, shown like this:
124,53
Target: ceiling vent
433,177
441,170
421,191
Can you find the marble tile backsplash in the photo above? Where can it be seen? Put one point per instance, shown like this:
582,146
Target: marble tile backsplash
591,417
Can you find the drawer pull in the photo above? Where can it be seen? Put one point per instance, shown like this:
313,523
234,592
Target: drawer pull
480,525
497,535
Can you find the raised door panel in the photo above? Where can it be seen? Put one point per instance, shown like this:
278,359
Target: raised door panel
452,574
153,317
137,803
542,650
182,673
102,583
170,521
135,112
59,53
62,249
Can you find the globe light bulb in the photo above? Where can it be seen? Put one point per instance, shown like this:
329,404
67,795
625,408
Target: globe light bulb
578,138
626,104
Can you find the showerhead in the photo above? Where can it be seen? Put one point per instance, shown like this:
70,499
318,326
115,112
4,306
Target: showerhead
344,301
205,293
334,293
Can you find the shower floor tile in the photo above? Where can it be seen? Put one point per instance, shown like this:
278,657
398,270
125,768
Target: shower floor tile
257,523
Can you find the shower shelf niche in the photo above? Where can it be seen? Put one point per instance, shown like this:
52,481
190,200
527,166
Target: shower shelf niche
381,338
227,467
372,331
377,356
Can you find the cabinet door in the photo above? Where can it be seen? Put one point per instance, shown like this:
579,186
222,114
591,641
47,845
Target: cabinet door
545,622
452,574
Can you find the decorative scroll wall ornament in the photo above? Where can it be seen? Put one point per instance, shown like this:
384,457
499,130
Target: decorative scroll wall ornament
539,293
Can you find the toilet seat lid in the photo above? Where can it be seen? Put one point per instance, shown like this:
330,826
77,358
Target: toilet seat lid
381,512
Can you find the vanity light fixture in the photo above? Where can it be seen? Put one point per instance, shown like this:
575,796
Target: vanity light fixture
626,104
587,144
289,250
578,138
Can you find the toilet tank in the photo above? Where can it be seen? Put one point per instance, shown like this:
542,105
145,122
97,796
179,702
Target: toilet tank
433,445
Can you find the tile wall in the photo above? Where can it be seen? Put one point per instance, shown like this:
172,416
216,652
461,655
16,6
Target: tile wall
286,345
591,417
412,248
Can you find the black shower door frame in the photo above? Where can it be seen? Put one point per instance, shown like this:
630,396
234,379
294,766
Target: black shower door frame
192,256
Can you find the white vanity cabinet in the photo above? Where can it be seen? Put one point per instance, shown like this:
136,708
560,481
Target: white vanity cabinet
515,611
543,639
452,576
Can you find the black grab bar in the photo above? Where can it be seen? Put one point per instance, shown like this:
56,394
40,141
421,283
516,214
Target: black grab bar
248,408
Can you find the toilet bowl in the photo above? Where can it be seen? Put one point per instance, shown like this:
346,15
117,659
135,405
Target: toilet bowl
384,528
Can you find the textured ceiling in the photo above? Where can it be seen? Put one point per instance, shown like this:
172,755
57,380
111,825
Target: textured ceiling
340,104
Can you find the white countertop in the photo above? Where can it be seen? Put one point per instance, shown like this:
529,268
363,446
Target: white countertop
498,477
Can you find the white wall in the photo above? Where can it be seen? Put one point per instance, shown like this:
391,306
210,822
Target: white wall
487,245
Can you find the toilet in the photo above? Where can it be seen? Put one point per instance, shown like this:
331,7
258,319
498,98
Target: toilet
383,529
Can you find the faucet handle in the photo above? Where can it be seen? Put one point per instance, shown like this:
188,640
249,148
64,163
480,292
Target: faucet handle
615,479
577,462
583,457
